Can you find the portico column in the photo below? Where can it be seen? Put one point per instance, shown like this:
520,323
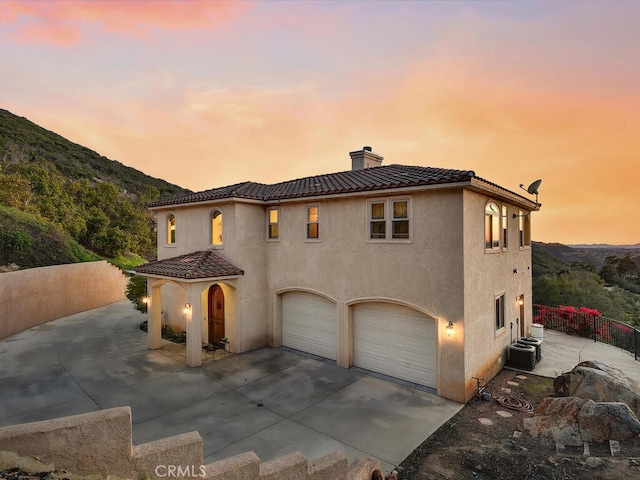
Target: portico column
194,330
154,316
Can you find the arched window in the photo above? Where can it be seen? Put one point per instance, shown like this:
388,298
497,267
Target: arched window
216,228
492,226
171,229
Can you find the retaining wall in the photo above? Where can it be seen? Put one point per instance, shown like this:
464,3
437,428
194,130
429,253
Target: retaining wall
38,295
100,443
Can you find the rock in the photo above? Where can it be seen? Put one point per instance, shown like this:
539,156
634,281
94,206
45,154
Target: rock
561,385
377,475
600,382
573,421
593,462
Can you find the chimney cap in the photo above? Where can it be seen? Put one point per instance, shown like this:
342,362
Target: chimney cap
366,148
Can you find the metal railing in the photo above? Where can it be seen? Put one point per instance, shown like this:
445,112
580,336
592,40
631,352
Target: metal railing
589,323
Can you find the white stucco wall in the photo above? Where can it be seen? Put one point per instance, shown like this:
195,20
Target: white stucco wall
487,274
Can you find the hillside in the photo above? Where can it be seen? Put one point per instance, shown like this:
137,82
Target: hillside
74,161
58,198
565,275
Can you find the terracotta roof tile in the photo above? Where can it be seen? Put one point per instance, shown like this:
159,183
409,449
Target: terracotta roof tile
369,179
203,264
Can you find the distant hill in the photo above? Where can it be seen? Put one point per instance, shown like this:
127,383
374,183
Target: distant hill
75,161
62,202
595,254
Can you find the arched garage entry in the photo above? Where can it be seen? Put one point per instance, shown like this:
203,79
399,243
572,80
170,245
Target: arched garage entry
397,341
309,323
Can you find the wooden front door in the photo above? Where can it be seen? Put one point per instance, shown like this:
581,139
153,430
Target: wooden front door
216,314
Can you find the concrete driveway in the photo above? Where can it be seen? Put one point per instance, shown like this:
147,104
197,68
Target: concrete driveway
270,401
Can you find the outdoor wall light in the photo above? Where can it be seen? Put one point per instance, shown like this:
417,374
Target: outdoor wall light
145,300
449,328
187,308
520,301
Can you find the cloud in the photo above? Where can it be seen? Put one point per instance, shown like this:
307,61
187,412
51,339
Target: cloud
65,22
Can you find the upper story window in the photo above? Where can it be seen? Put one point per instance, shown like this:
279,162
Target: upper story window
216,228
499,311
492,226
273,214
377,220
505,231
171,229
389,219
524,229
313,222
400,221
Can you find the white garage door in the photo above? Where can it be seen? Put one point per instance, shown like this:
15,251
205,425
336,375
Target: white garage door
395,341
309,324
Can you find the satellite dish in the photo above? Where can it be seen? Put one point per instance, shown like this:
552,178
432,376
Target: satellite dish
533,188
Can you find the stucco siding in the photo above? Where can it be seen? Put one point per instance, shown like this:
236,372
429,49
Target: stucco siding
486,275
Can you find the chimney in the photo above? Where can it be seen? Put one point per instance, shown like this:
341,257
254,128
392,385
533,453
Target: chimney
365,158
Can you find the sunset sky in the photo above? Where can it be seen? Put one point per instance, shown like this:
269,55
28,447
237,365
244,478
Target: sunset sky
206,94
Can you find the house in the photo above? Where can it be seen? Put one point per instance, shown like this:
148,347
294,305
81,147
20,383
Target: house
418,273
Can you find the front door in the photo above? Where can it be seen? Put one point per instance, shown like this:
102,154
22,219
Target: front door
216,314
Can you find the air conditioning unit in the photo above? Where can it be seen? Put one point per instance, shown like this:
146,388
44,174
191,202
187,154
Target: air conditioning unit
521,356
536,342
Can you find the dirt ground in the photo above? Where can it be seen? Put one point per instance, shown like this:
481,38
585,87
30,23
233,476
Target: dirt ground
465,447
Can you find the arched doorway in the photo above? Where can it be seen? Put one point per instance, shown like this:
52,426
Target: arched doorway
216,314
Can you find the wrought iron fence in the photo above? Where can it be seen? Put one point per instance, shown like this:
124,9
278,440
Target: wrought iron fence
589,323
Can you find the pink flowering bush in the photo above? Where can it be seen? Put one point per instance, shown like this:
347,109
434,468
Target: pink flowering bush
582,321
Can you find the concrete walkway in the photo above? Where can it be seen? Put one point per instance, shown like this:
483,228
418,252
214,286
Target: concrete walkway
560,353
270,401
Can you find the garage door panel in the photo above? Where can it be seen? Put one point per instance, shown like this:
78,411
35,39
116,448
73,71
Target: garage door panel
309,324
397,341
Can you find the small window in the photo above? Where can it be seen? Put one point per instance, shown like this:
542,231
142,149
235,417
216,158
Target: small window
171,229
499,311
389,219
273,223
377,220
505,231
524,229
492,227
313,222
400,223
216,228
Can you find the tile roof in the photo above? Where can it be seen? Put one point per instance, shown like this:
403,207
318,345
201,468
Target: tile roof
203,264
368,179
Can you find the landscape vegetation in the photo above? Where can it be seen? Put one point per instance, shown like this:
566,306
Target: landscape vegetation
62,203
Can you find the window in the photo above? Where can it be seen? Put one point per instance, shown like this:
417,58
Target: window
499,311
272,231
171,229
216,228
400,223
313,222
377,220
505,232
492,227
389,219
524,229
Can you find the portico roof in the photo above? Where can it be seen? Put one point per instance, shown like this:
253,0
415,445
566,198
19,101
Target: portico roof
196,265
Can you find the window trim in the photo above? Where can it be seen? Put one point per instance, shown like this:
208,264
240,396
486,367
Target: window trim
389,220
309,223
499,307
490,228
169,241
275,224
211,227
504,227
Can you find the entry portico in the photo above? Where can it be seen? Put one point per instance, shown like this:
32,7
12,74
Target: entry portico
203,280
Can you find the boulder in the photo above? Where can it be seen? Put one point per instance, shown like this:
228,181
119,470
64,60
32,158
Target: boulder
573,421
600,382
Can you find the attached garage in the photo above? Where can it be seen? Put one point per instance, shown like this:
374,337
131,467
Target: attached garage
397,341
309,324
